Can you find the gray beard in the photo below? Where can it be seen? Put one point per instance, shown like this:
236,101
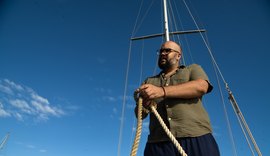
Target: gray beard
168,64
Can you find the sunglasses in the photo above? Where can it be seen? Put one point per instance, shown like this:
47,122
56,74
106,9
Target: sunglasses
166,51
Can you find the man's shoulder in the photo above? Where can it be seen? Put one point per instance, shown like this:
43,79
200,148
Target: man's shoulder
194,65
153,77
189,67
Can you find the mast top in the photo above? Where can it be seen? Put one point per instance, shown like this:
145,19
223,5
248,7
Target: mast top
167,33
166,24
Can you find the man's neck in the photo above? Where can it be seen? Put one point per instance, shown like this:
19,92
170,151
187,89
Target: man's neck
170,71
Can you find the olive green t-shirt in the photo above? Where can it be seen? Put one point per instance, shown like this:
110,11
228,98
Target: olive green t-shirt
184,117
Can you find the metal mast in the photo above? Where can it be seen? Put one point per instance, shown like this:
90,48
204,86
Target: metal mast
4,141
167,33
166,24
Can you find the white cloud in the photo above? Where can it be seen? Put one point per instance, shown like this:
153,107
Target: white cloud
3,113
39,98
18,116
5,89
109,98
30,146
13,85
22,102
21,105
42,151
45,110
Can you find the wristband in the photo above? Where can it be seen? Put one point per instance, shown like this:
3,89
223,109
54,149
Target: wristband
164,96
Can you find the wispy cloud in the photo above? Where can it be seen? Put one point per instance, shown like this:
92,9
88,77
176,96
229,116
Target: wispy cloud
31,147
109,98
3,113
42,151
23,102
112,99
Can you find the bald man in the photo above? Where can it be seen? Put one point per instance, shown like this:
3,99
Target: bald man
178,91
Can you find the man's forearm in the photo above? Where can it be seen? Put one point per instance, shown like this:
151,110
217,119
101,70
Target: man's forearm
191,89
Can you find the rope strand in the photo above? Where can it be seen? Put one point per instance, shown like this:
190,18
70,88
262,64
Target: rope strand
162,123
168,132
138,130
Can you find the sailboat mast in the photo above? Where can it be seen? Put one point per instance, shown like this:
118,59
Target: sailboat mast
166,25
167,33
4,141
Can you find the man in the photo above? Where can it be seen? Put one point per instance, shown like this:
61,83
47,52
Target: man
178,92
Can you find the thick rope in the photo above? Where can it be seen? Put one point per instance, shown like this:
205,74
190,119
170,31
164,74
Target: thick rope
168,132
139,128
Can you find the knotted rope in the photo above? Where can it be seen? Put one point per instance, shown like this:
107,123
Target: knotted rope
139,127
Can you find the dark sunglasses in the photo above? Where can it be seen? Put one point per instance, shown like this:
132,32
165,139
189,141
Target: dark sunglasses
166,51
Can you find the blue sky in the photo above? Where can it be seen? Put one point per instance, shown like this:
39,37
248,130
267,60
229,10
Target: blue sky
63,65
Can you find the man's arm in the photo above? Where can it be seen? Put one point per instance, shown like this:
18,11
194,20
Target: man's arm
187,90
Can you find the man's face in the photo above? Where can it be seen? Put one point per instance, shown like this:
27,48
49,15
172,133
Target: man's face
169,56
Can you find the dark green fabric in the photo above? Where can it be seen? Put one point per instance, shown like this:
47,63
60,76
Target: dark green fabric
184,117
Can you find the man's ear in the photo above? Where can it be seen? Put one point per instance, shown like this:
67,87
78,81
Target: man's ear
178,56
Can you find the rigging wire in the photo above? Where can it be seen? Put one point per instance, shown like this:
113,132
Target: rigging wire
172,17
207,43
204,40
124,103
125,88
4,141
245,134
136,28
226,114
137,18
217,70
126,77
140,82
231,97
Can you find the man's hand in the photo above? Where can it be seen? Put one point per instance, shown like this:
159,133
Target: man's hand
149,92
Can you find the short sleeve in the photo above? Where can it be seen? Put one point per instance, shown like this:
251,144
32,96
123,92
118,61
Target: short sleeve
197,72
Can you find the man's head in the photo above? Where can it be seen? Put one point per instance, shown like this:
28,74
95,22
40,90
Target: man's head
169,55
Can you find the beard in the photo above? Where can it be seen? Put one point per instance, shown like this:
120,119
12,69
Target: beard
165,63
